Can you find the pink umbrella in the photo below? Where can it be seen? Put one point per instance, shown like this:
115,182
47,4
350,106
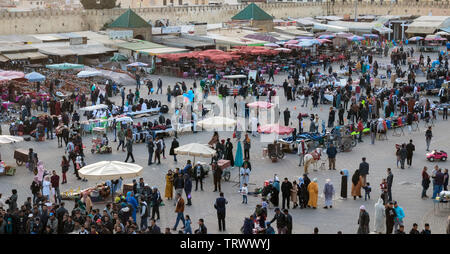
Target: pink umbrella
292,42
322,41
9,75
275,128
260,104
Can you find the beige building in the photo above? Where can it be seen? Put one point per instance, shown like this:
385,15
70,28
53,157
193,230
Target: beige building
159,3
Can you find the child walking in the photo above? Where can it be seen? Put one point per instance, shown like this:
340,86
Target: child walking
244,192
367,190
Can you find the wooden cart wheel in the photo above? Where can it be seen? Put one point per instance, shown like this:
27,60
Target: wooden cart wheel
226,177
19,162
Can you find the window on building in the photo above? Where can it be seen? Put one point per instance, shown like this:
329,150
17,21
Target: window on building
180,2
164,2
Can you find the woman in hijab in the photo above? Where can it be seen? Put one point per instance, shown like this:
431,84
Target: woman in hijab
302,193
313,190
46,188
328,191
294,196
344,179
168,193
356,185
380,215
214,139
363,221
87,201
229,151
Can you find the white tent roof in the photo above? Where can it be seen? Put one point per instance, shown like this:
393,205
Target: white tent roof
195,149
110,170
94,107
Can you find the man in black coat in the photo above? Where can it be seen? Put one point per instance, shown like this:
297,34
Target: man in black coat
199,174
217,174
389,180
364,170
220,206
151,150
281,221
286,187
287,116
390,218
288,221
410,148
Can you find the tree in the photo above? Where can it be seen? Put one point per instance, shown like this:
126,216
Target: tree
98,4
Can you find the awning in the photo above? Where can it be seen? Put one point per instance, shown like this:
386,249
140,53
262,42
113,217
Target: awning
16,56
422,28
446,29
35,55
3,59
157,51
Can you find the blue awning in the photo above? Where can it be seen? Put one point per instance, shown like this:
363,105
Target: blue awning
445,29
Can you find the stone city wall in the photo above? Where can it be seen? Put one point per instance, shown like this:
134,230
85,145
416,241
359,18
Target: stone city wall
57,21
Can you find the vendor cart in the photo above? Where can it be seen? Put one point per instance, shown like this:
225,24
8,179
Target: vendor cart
21,156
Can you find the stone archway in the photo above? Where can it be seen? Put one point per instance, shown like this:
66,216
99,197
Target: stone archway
139,37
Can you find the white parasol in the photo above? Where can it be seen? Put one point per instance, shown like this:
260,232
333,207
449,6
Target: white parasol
195,149
110,170
7,139
94,107
217,122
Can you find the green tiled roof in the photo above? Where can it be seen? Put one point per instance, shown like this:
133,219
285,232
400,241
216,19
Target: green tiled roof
252,12
129,20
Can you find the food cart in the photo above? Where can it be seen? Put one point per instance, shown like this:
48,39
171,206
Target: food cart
21,156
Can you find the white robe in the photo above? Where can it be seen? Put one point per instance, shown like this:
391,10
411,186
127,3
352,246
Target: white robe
380,216
46,185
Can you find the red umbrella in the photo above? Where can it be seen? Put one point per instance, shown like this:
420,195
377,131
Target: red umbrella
275,128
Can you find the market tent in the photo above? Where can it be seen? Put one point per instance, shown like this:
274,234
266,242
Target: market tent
327,36
283,50
271,45
254,50
110,170
64,66
275,128
137,64
262,37
7,139
260,104
10,75
415,38
35,77
217,122
118,57
434,38
94,107
88,74
428,24
159,51
195,149
370,36
355,38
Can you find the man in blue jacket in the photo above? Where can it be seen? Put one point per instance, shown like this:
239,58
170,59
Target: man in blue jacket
331,152
220,204
400,214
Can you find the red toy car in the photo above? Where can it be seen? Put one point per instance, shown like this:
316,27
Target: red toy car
435,155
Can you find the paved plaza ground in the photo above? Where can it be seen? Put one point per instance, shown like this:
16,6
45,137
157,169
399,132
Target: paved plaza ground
344,214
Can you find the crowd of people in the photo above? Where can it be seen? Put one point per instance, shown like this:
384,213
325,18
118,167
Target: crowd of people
366,105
